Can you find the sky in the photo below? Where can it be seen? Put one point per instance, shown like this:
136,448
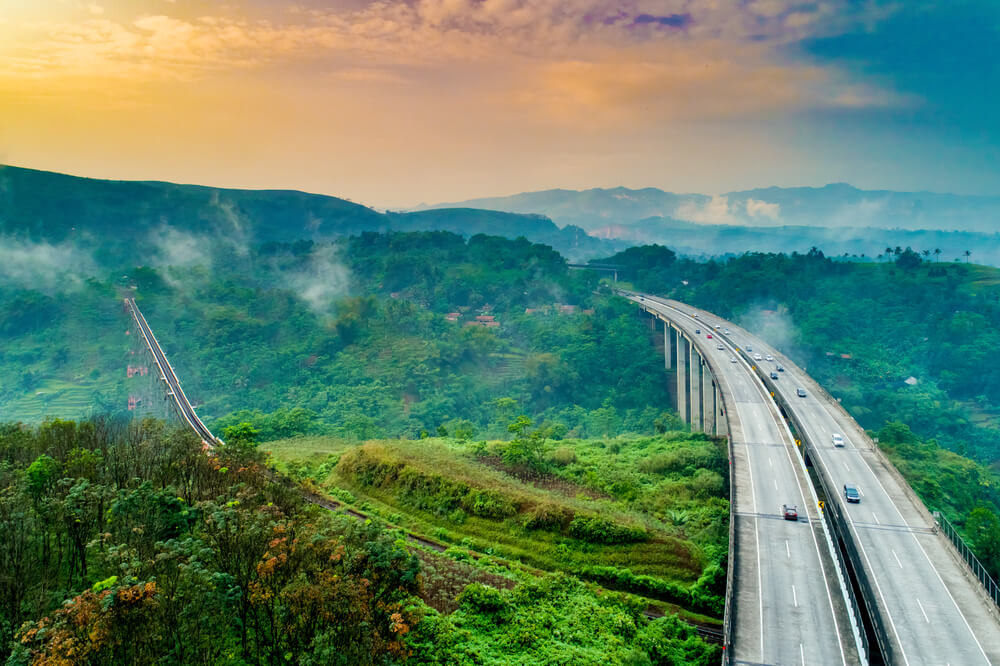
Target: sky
394,103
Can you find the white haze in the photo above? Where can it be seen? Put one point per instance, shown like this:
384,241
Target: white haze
775,326
322,281
43,266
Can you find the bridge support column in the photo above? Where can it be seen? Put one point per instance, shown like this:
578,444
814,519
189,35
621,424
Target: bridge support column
683,354
722,425
708,408
668,345
695,398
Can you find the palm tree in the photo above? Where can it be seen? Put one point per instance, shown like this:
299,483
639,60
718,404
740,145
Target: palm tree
926,253
937,252
967,253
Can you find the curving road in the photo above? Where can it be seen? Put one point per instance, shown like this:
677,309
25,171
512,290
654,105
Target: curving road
786,609
932,608
167,374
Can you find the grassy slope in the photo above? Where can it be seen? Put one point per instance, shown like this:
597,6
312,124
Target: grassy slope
670,485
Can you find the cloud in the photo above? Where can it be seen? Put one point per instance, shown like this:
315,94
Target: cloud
757,208
95,8
44,266
671,20
321,282
714,211
173,247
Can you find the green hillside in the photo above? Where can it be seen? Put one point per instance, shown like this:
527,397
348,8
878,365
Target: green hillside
128,222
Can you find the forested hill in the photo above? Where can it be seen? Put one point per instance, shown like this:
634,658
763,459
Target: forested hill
121,219
372,335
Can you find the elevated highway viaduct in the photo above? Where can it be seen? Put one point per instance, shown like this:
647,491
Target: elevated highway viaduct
922,602
788,603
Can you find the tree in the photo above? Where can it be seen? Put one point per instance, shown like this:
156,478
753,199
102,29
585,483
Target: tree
242,435
527,447
967,253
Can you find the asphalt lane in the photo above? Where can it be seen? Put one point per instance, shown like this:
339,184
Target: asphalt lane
787,609
932,609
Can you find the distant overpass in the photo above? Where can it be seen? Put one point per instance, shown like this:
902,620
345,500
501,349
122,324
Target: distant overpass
606,268
169,377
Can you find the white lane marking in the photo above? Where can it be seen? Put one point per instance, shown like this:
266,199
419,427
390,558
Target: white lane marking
775,484
788,552
770,461
847,467
897,558
802,654
875,518
795,597
756,536
792,459
862,493
922,611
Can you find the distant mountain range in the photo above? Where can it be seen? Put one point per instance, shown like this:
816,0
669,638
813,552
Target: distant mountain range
131,219
833,206
138,222
838,219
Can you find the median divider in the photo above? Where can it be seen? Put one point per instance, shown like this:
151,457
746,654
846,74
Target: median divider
833,517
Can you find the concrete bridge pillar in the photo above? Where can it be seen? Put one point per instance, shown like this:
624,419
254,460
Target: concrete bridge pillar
708,408
683,354
695,398
669,345
722,425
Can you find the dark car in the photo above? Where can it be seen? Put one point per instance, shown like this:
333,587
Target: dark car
801,392
790,512
851,493
697,331
774,375
781,368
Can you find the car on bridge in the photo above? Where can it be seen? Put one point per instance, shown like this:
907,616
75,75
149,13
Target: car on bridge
838,439
719,346
757,357
709,336
732,360
774,375
780,368
801,392
790,512
769,357
697,331
851,493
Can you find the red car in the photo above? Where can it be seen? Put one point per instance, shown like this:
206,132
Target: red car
709,336
791,512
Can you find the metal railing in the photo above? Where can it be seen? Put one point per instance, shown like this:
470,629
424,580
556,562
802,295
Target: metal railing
990,585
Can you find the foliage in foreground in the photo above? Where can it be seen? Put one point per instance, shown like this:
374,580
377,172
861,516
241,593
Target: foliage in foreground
124,543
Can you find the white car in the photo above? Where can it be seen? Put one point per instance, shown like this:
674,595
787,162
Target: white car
719,347
838,439
769,357
733,360
757,357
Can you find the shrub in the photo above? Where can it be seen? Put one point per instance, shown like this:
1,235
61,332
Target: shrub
601,530
488,504
547,517
563,456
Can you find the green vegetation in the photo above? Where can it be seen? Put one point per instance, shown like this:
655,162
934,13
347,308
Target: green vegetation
122,542
352,339
646,515
864,329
